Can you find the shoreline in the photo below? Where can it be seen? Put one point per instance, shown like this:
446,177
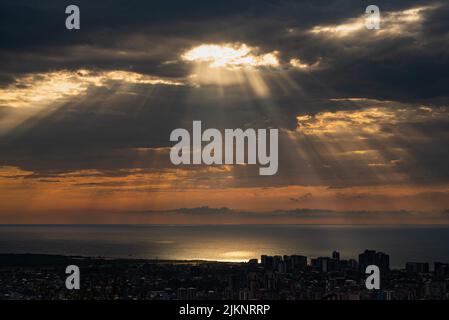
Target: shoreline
9,259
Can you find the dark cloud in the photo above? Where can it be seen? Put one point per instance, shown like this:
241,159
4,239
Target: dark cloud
300,214
103,129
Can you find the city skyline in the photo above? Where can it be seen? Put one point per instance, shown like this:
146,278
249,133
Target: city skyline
288,277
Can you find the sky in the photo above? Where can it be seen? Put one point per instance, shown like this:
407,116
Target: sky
86,115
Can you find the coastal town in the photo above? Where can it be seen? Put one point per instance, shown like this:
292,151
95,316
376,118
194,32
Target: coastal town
293,277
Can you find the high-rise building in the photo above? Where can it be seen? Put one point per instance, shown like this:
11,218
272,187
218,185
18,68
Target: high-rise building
352,263
298,262
417,267
281,267
269,281
367,258
268,262
441,270
321,264
371,257
276,261
336,255
383,261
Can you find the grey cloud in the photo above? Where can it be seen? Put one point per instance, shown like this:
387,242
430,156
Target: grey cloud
100,130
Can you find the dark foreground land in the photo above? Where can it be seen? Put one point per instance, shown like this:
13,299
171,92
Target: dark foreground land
42,277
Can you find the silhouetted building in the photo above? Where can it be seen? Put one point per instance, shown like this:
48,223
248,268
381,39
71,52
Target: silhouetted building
417,267
153,280
326,264
371,257
441,270
253,262
336,255
322,264
268,262
282,267
276,261
298,262
353,264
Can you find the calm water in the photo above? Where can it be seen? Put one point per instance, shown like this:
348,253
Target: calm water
228,243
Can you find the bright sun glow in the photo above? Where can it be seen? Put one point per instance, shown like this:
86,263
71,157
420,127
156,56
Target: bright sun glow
35,90
231,56
231,64
396,23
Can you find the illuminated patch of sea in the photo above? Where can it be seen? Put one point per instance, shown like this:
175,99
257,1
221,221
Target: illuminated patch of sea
228,242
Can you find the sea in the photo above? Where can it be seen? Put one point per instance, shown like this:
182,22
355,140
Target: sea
233,243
